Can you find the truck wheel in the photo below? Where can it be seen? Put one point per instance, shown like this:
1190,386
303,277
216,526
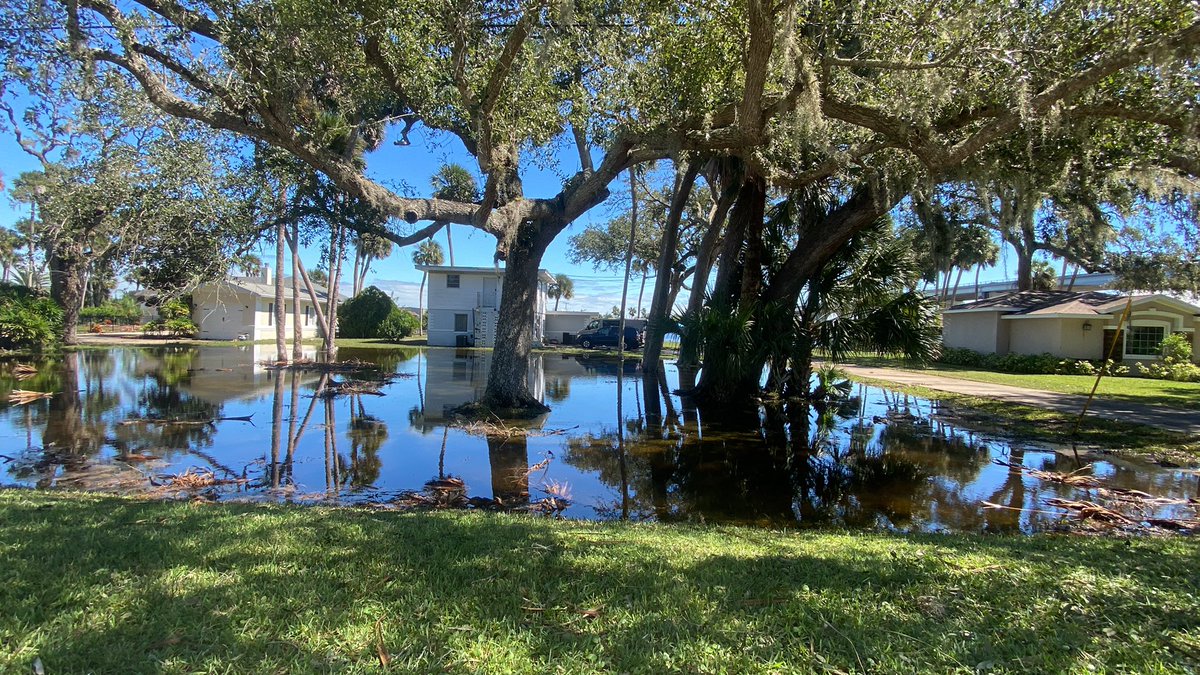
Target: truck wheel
586,344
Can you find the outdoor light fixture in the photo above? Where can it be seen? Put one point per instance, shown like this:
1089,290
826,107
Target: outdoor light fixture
1087,325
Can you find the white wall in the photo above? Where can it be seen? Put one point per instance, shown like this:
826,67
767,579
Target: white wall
476,291
223,313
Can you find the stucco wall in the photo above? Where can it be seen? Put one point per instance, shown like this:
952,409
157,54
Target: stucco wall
1035,336
1077,343
977,331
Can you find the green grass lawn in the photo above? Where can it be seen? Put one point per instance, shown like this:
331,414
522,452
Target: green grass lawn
1159,392
102,584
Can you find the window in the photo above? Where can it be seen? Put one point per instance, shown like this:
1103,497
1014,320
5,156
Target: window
460,323
452,281
307,315
1144,340
270,314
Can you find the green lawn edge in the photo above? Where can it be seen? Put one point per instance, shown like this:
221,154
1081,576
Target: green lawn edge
108,584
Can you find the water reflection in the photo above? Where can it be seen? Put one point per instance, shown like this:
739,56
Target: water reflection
619,442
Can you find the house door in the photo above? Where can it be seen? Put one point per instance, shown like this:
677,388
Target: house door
489,292
1112,335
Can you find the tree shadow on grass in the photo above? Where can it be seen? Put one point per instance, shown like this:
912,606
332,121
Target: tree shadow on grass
111,585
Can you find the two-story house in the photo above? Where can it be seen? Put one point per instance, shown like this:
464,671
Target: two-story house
464,305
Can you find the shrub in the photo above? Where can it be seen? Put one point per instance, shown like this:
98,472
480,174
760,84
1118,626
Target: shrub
28,320
175,320
172,327
1176,361
363,315
398,325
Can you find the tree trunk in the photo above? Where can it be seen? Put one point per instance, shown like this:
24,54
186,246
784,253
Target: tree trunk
308,285
662,284
354,287
867,204
642,289
1024,269
337,252
508,379
67,285
752,277
297,326
628,264
954,293
450,244
280,310
978,268
705,257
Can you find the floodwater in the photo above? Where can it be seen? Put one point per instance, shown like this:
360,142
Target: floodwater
126,420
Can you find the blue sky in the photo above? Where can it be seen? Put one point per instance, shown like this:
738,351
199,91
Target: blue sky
410,168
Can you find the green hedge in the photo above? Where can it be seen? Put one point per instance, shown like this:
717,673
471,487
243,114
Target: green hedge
123,311
1026,364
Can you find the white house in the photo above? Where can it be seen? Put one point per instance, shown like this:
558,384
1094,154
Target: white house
244,308
1070,324
464,305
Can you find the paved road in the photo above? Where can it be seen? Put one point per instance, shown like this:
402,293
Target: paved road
1172,419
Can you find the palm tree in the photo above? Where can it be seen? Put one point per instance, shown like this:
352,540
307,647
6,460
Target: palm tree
428,253
563,287
10,242
368,248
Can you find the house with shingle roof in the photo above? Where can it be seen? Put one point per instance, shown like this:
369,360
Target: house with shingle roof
243,308
1070,324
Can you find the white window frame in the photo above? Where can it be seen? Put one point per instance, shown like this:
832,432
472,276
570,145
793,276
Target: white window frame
1142,323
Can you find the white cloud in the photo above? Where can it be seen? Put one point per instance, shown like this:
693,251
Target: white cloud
404,293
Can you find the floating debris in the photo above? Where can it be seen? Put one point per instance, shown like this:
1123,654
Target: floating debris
24,371
506,431
194,479
1110,507
1077,478
23,397
349,388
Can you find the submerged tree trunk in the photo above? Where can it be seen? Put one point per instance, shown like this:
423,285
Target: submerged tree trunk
508,378
659,302
738,382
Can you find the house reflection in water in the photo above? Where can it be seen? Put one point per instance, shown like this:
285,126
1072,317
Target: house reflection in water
455,377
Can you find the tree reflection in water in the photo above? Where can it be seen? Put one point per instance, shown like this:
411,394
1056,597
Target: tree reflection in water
807,463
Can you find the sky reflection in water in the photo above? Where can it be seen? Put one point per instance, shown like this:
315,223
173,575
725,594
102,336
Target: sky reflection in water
883,460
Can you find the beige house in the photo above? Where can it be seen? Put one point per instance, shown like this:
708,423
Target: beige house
243,308
1071,325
